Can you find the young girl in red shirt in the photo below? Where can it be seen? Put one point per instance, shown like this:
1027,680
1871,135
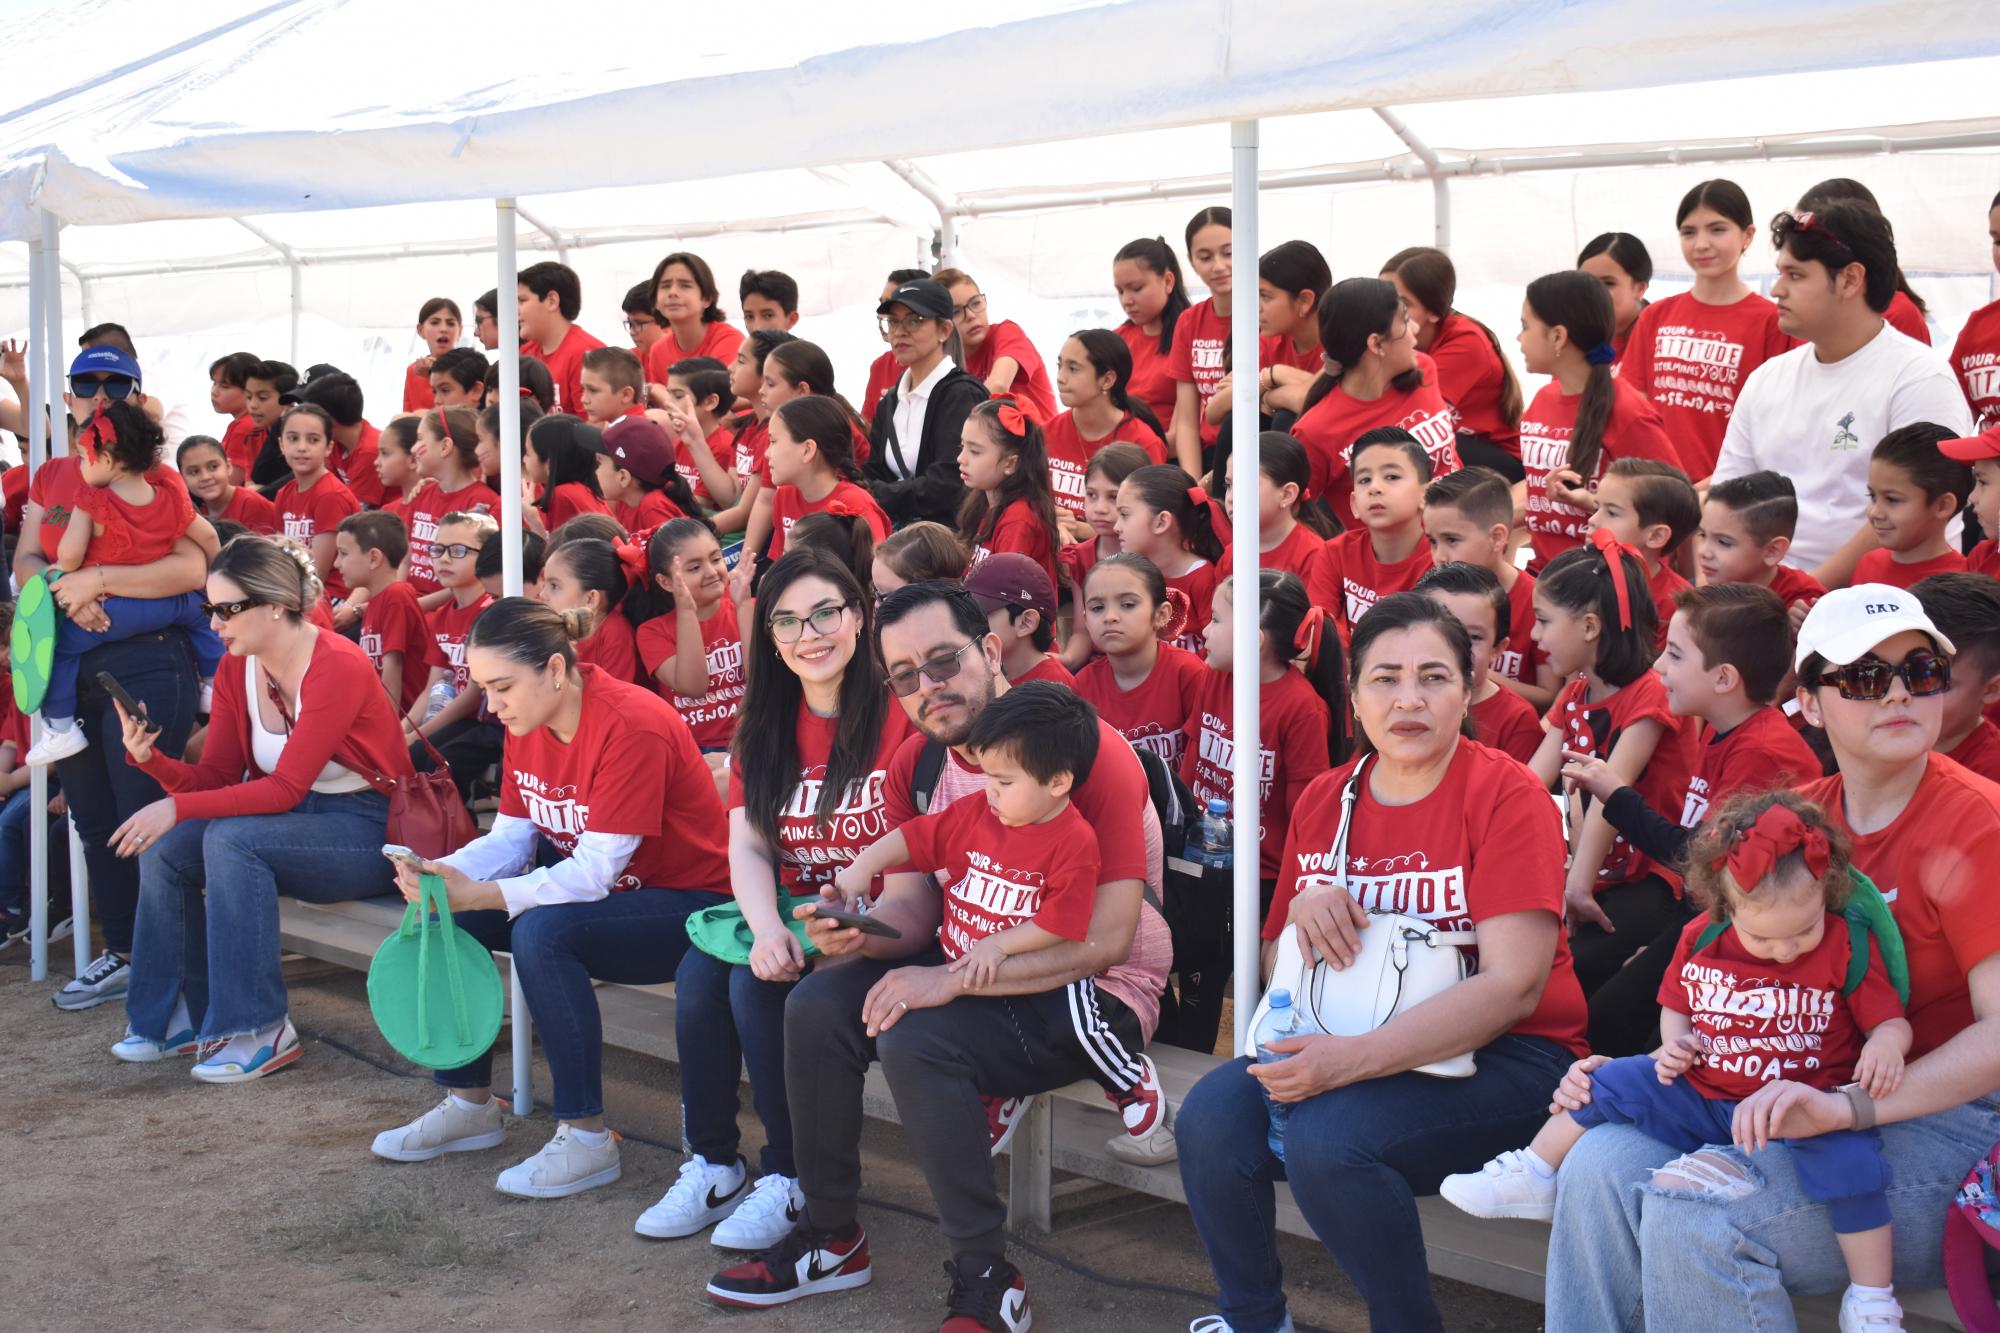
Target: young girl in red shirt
1143,684
1094,379
1008,505
810,460
999,354
593,575
1108,469
206,469
1165,517
396,465
1620,261
1199,360
438,325
447,463
561,458
1290,528
1472,372
1147,278
751,513
1389,552
311,505
1292,280
690,637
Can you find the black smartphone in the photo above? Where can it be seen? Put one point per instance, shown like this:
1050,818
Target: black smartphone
109,684
861,921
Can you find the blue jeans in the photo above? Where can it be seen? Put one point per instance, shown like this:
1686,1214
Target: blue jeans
131,617
1357,1158
724,1018
104,791
634,939
14,828
208,907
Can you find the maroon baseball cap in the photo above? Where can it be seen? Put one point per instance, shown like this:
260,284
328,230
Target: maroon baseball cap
640,446
1973,448
1008,578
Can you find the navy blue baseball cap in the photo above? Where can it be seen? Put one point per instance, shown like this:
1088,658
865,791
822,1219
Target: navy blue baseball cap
103,360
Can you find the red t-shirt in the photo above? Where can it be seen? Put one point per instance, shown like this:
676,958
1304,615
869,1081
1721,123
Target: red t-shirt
1199,585
810,853
719,340
417,395
1594,729
392,622
1031,387
711,715
610,647
1691,359
631,769
1201,343
242,440
1282,351
252,510
357,468
1664,585
58,487
1881,566
1079,558
1904,317
1152,714
1070,453
1984,559
1486,843
750,442
431,503
1508,723
789,505
1018,529
1795,585
721,444
1979,752
653,509
1760,753
997,877
883,372
315,512
1347,578
135,534
1635,431
1472,378
1335,422
449,626
1292,723
1523,659
568,500
1152,381
1050,668
1759,1020
1296,554
1975,359
565,363
13,726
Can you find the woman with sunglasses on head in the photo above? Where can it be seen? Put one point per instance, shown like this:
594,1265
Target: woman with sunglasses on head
814,736
1711,1241
298,710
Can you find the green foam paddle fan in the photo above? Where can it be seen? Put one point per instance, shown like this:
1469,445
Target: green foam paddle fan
723,934
33,643
434,990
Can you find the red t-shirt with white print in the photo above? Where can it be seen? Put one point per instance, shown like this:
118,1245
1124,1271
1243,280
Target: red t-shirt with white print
1201,345
1031,387
996,877
1594,729
450,624
1347,578
392,622
318,510
711,715
1760,753
633,769
1153,714
1507,723
789,505
1975,359
1330,427
1523,658
1070,454
1691,359
1472,378
1759,1020
431,503
1295,554
1634,431
1486,843
1199,586
1152,381
1292,724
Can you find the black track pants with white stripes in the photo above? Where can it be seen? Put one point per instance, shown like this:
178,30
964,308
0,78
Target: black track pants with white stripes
939,1062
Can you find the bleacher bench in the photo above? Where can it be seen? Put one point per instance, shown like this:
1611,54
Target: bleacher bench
1065,1130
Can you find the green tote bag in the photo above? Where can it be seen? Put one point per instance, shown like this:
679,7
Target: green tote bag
434,990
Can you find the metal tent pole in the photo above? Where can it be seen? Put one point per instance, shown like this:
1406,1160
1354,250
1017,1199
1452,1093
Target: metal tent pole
1244,537
509,353
38,778
56,351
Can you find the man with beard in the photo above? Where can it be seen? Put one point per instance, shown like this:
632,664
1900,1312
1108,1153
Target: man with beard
941,1043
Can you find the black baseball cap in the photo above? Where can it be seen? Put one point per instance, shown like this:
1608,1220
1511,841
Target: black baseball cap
923,296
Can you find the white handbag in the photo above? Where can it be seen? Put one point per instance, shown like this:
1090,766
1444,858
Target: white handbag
1404,961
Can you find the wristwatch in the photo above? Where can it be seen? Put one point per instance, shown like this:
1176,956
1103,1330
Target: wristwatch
1863,1105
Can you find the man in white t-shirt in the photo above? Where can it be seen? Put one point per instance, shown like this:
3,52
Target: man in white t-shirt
1816,413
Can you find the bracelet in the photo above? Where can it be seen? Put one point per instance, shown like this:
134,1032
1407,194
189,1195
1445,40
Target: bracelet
1862,1104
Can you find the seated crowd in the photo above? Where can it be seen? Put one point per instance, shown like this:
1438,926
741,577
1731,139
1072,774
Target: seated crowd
1718,586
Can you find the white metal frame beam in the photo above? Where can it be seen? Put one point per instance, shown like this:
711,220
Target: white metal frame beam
1440,183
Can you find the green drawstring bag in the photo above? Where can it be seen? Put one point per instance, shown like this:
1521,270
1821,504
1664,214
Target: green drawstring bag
32,644
723,934
434,990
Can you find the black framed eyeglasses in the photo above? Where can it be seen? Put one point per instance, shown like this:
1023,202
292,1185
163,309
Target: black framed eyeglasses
634,325
824,621
228,610
115,387
1923,673
976,306
456,550
941,670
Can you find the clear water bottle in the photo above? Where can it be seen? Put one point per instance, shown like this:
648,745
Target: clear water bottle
441,694
1214,841
1280,1020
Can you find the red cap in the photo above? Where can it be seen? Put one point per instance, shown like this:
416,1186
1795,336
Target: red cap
1973,448
640,446
1008,578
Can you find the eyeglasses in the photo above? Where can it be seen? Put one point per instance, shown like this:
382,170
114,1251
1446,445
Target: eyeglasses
976,306
941,670
901,323
1923,673
790,629
634,325
456,550
228,610
116,387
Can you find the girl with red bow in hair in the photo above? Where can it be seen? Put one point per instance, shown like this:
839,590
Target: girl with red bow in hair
1009,503
1144,683
1108,469
1767,996
593,575
1164,516
1290,527
811,461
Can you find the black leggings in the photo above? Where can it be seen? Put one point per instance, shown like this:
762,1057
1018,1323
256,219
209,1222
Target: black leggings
1478,451
1621,969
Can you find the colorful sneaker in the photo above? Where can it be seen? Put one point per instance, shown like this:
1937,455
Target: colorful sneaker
137,1050
566,1165
105,979
1507,1186
1148,1139
252,1055
704,1193
1870,1313
56,745
774,1207
987,1296
450,1126
803,1263
1003,1115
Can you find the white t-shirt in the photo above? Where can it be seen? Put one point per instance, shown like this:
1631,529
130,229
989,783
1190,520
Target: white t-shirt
1817,423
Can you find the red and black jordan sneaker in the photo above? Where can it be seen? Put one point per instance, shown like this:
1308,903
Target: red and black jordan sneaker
805,1263
987,1296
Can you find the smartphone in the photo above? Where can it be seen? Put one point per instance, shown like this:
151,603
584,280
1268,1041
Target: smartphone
861,921
109,684
403,856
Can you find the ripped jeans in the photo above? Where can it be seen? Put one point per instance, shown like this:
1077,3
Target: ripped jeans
1627,1255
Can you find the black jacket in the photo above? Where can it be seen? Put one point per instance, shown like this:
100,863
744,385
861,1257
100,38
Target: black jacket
932,490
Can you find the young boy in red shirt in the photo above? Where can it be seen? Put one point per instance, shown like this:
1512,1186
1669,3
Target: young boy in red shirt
1966,609
241,438
613,385
1389,552
1982,454
1501,718
550,298
355,441
635,470
697,394
458,379
1746,529
769,300
1652,507
368,549
1914,492
1469,516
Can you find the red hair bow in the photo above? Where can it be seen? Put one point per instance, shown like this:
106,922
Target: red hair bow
1218,521
1309,634
1177,621
1010,417
632,560
96,432
1777,833
841,508
1613,550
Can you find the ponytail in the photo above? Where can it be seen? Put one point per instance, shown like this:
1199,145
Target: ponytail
1311,643
1578,303
1355,310
820,419
1166,488
1108,355
1156,256
1284,460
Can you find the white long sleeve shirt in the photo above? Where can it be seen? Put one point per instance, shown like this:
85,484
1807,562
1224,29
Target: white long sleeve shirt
506,855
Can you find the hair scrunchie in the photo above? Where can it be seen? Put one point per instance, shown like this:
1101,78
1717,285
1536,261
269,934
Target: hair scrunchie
1309,635
1601,355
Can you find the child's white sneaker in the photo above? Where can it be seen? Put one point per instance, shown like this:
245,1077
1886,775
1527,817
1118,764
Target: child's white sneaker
1869,1312
1507,1186
56,745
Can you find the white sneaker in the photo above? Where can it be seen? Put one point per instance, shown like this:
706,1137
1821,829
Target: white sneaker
56,745
1869,1314
1507,1186
450,1126
1215,1323
774,1207
1156,1147
105,979
703,1194
181,1040
252,1055
565,1166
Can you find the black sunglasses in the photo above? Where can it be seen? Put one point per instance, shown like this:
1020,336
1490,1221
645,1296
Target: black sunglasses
941,670
1923,673
228,610
114,387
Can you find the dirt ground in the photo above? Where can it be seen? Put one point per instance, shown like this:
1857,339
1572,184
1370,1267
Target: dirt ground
137,1198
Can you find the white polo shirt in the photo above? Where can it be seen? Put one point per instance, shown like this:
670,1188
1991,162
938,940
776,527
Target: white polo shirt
912,401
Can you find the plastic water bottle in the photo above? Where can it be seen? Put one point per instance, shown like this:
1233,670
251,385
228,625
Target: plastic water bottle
441,694
1214,838
1280,1020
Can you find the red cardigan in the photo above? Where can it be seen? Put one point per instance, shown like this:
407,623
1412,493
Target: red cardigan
343,709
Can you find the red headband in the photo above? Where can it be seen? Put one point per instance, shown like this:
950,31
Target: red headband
1009,416
1309,634
632,560
1777,833
1614,552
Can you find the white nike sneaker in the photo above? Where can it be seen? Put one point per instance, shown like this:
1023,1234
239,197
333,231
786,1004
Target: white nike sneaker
1870,1313
773,1208
1215,1323
702,1195
563,1167
1507,1186
450,1126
